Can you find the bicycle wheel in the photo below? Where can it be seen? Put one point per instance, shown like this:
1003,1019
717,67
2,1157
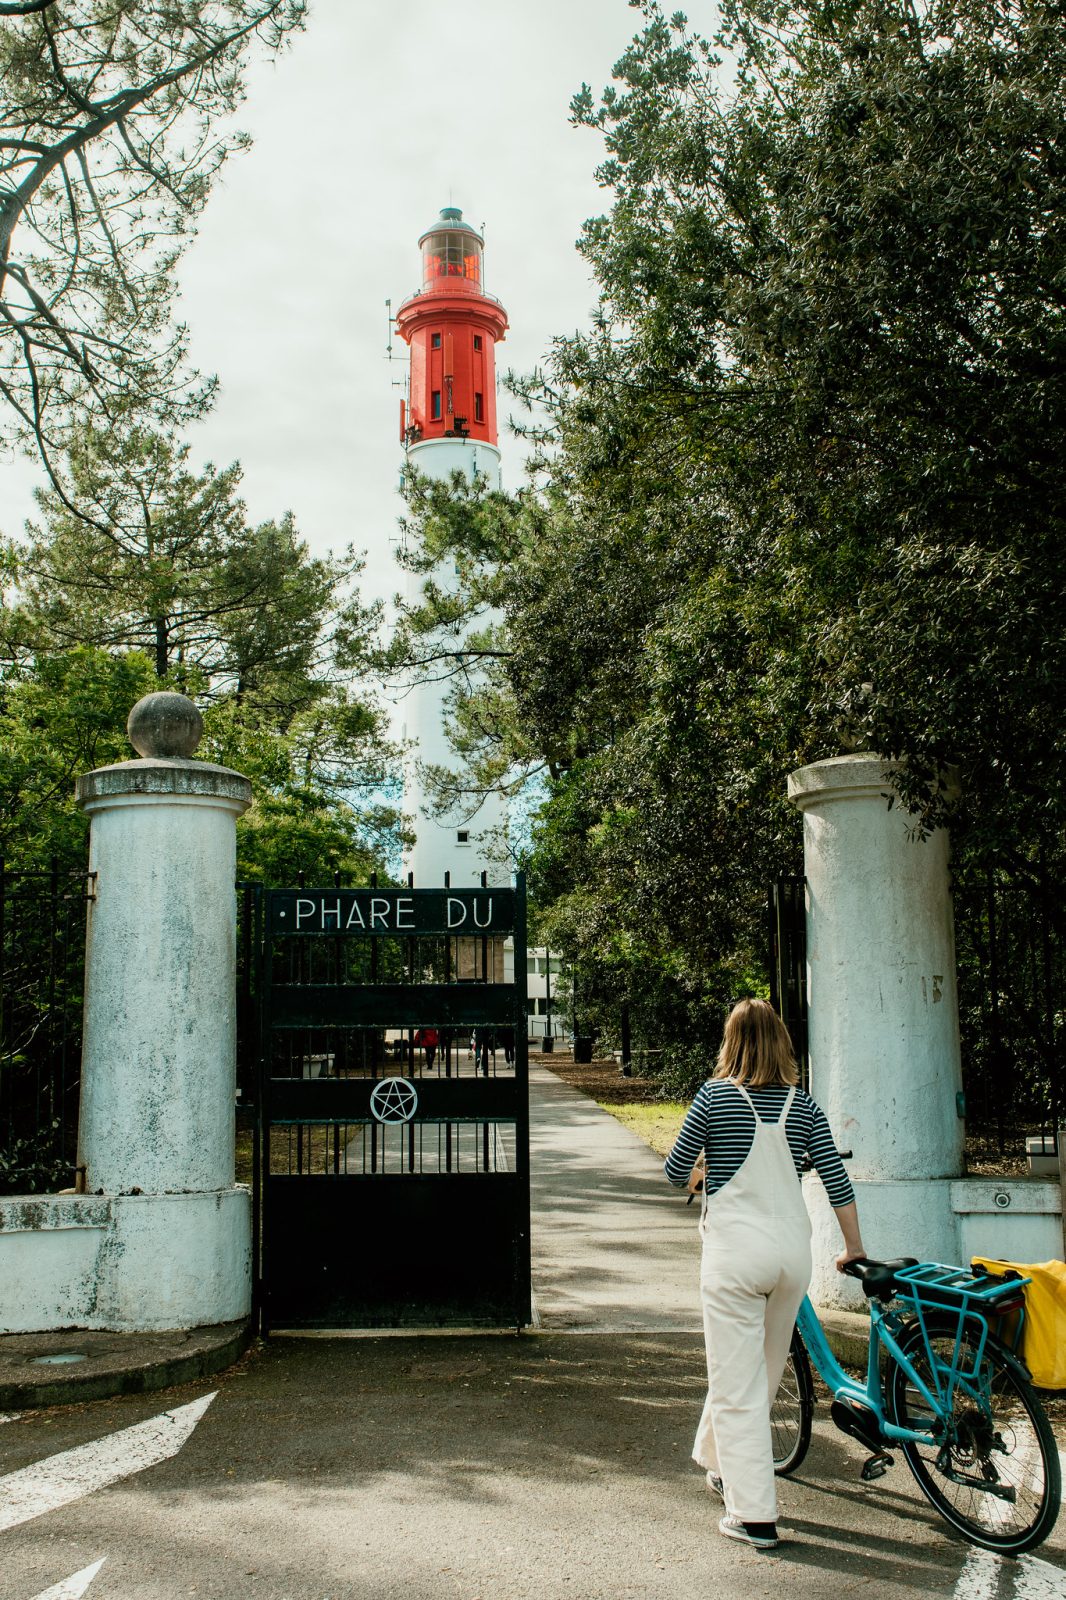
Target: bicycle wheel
1005,1443
792,1410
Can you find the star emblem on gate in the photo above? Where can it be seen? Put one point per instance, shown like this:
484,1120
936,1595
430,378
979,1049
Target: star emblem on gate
394,1100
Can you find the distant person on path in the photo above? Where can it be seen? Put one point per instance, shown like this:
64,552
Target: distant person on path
484,1041
750,1127
429,1039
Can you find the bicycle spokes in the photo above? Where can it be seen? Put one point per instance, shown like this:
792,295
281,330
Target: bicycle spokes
991,1470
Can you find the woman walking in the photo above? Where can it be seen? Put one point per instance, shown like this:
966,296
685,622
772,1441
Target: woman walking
751,1127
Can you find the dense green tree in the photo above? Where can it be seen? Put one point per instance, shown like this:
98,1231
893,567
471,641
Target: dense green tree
158,564
840,285
59,717
323,780
136,550
799,490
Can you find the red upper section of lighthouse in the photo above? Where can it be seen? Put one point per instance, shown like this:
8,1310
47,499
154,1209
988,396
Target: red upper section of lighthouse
453,327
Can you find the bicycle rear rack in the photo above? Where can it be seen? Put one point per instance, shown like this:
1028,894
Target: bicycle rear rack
995,1304
938,1286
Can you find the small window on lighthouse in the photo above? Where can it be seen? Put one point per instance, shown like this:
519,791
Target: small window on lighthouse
477,341
479,408
436,341
463,837
435,406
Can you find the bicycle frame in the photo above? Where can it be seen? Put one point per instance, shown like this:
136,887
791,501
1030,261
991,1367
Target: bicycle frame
883,1327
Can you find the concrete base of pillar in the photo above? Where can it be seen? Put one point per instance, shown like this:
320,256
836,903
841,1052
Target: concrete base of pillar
1012,1219
912,1218
936,1219
126,1263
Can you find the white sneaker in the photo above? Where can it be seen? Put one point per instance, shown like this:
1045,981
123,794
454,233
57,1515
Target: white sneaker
734,1528
716,1486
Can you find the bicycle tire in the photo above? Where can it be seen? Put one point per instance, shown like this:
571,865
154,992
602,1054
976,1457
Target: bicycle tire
1020,1426
792,1412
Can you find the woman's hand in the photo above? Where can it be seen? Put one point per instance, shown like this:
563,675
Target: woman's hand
848,1218
696,1176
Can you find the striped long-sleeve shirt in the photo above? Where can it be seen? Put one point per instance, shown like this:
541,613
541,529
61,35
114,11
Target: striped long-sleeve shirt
720,1122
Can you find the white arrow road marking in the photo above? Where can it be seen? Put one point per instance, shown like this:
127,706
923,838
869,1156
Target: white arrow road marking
72,1588
987,1576
1038,1580
57,1480
979,1578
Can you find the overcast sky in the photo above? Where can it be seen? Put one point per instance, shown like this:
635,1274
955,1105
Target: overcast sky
374,118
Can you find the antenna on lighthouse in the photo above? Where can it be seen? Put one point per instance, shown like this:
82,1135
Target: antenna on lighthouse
390,354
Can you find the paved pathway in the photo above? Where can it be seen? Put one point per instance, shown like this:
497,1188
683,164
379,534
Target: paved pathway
614,1247
472,1467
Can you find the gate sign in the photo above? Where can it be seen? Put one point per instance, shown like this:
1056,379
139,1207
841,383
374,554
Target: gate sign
465,912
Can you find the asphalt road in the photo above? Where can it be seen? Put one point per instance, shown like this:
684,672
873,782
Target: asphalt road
545,1465
555,1464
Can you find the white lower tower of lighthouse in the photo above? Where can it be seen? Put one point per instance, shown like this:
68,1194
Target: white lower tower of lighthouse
448,425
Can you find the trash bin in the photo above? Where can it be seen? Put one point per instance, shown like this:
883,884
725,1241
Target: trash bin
547,1044
582,1049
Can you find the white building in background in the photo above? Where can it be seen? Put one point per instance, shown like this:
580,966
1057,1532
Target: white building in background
448,425
543,969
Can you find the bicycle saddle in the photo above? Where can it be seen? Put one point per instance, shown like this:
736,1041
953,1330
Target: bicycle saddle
878,1278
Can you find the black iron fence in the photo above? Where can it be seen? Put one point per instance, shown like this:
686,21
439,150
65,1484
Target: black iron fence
1012,999
1012,1009
1011,956
247,1034
42,949
787,945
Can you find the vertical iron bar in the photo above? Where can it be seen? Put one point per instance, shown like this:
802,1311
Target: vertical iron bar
373,1069
522,1262
46,1092
262,979
5,1099
1047,1007
990,988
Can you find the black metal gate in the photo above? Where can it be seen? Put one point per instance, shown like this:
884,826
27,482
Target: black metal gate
392,1157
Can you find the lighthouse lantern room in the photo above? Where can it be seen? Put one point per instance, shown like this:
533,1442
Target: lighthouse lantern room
452,327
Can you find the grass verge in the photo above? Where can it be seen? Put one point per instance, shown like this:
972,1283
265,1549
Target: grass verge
658,1124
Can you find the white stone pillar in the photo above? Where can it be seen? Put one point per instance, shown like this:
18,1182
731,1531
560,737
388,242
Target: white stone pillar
159,1045
883,1013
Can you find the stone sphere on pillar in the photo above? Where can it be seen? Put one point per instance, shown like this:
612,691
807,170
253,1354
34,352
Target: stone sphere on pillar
165,726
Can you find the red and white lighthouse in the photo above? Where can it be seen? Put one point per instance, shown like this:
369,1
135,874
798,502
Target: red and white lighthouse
448,421
448,425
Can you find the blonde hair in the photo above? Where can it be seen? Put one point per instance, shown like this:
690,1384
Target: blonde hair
756,1048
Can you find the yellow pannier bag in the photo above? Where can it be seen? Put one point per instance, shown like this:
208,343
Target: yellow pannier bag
1044,1329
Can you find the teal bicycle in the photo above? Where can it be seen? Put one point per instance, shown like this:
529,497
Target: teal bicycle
944,1386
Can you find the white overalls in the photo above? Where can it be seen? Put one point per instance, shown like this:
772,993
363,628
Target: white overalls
755,1271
